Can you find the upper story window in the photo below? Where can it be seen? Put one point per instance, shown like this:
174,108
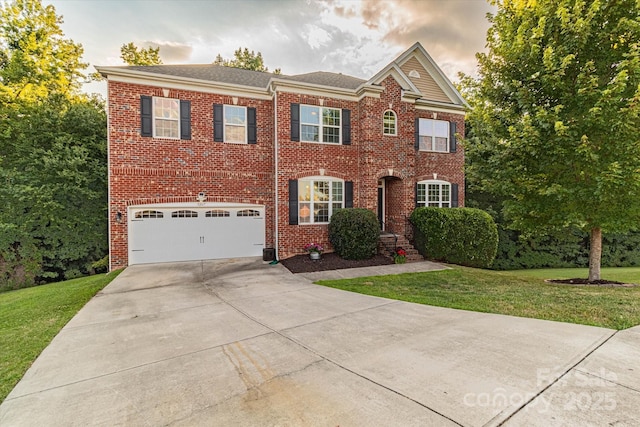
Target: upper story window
433,193
235,124
311,123
318,199
434,135
165,117
320,124
389,123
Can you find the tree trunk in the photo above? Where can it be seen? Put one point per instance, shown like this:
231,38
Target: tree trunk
595,254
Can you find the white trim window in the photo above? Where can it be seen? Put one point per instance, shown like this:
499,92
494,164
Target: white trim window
319,124
235,124
434,135
433,193
389,123
318,199
166,118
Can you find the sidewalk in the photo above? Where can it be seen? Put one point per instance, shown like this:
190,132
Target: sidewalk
379,270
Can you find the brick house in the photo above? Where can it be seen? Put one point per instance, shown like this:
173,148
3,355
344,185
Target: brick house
211,162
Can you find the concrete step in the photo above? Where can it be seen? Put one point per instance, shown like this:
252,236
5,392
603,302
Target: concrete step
386,244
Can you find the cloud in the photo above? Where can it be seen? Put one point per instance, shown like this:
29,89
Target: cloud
452,31
171,52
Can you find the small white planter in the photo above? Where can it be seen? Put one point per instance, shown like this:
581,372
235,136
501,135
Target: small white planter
314,255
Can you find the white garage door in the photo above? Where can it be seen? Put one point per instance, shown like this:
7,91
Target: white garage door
162,233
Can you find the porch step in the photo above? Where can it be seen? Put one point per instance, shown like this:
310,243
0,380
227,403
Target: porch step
387,243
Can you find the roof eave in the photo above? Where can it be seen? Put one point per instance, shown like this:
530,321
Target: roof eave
275,82
156,78
441,105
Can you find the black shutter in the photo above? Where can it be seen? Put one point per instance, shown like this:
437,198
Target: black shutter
218,123
252,126
293,202
348,194
415,195
146,118
452,137
417,135
185,119
346,127
295,122
454,195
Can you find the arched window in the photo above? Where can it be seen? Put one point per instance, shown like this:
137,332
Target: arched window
184,214
319,198
248,212
434,193
149,214
389,123
216,213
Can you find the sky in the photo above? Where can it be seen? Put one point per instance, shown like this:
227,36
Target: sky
354,37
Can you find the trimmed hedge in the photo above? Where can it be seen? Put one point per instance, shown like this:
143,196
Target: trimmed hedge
354,233
571,249
544,249
463,236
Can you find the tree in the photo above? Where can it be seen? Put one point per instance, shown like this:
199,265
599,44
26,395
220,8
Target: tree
245,59
35,59
52,152
555,116
133,55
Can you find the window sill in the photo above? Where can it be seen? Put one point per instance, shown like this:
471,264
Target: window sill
322,143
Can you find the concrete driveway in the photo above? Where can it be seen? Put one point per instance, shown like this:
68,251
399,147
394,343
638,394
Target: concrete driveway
240,342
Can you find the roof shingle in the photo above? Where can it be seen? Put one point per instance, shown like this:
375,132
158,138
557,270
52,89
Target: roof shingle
238,76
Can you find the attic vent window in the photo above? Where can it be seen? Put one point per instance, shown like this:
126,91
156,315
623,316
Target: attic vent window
414,73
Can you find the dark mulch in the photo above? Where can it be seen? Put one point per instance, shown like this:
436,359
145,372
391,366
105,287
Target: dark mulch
303,264
587,282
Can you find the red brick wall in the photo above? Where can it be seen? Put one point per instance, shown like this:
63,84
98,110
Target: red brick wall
149,170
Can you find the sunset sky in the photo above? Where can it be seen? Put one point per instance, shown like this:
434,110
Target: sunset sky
353,37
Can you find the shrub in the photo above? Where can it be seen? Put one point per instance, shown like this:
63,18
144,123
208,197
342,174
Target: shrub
463,236
543,248
354,233
101,265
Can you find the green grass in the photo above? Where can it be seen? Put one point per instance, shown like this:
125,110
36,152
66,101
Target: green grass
516,293
619,274
30,318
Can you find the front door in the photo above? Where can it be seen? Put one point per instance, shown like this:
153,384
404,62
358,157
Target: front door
381,203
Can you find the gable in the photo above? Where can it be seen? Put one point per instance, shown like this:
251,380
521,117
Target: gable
423,81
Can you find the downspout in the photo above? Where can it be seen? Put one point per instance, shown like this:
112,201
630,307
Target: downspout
109,213
275,178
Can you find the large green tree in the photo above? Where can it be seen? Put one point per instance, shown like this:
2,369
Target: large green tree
35,59
555,116
52,152
133,55
245,59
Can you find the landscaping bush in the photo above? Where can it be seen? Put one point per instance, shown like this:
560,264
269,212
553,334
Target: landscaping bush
463,236
101,266
354,233
543,249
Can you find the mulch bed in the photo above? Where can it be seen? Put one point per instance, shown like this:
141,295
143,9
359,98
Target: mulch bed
331,261
587,282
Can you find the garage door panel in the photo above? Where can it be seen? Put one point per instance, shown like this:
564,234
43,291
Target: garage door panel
187,233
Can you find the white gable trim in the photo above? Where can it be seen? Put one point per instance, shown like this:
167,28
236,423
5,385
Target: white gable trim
394,71
429,65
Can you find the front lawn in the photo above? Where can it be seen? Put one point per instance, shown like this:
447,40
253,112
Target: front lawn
30,318
516,293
